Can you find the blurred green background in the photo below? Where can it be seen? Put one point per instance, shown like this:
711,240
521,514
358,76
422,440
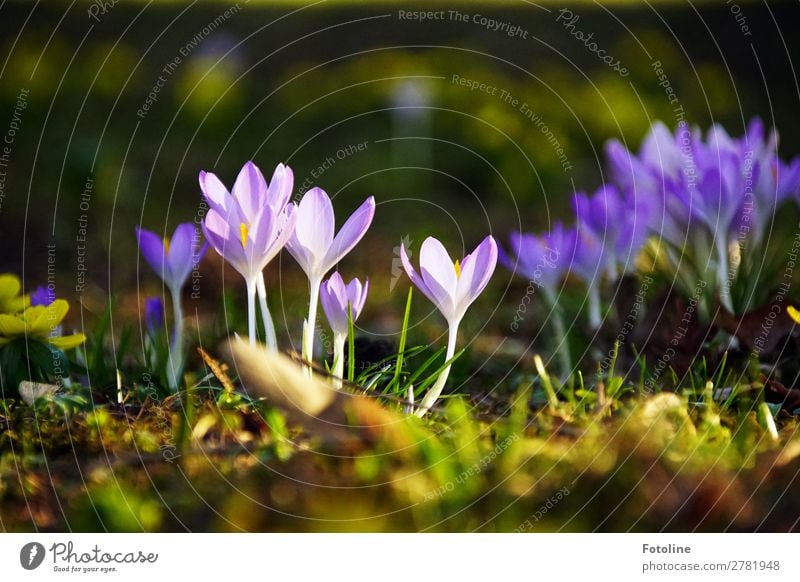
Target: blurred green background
306,84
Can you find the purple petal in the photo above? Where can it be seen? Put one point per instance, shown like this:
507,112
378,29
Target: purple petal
262,231
476,270
351,232
154,313
42,296
356,295
280,187
215,192
314,231
152,248
412,274
333,297
250,191
439,273
180,258
285,229
361,299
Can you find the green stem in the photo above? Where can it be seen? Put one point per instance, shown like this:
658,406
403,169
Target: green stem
722,273
562,345
175,364
595,317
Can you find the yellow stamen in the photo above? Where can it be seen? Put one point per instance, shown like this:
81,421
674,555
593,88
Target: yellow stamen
794,313
243,234
458,268
166,244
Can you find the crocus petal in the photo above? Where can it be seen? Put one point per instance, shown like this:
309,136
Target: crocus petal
179,260
250,190
226,242
357,296
215,192
313,231
262,232
280,187
333,297
42,296
361,299
351,232
415,278
439,273
154,313
476,270
152,248
285,230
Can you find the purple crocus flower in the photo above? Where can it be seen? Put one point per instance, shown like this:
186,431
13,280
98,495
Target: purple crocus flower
711,193
173,260
452,288
588,261
542,259
335,297
775,181
619,220
42,296
316,249
248,227
338,301
154,313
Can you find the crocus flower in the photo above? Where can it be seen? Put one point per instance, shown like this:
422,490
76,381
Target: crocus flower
544,260
42,296
775,181
620,220
316,249
337,300
611,228
713,192
173,260
154,313
587,263
451,287
248,227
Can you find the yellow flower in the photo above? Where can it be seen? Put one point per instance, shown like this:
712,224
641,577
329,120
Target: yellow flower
38,323
10,299
793,313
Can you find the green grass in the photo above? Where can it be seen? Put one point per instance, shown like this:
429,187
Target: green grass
213,459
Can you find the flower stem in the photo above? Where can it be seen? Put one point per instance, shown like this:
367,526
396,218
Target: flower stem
175,364
251,311
722,274
436,390
338,358
310,328
595,317
269,327
562,345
